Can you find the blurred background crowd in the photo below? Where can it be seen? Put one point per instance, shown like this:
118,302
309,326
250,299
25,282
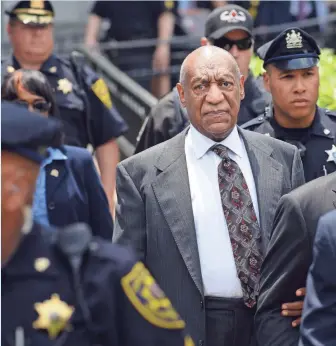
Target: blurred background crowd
126,31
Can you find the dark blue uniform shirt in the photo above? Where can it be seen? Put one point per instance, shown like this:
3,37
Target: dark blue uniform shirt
125,306
84,106
316,143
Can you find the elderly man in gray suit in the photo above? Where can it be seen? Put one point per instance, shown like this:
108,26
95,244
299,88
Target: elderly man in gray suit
199,208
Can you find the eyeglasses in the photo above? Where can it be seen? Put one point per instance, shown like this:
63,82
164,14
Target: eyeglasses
38,105
225,43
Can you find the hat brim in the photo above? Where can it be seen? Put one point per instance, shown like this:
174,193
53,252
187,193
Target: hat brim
223,31
296,64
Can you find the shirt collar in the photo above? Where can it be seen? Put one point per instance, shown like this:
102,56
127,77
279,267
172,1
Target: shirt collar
50,66
201,144
55,154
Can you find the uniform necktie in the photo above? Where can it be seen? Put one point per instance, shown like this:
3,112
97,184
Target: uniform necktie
242,223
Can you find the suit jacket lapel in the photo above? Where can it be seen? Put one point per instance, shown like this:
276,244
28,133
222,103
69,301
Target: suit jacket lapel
268,176
172,191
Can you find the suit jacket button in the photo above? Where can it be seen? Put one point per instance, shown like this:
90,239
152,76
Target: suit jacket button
51,206
200,343
202,304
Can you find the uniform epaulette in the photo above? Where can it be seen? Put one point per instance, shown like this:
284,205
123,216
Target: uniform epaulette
64,61
330,113
255,121
116,257
107,250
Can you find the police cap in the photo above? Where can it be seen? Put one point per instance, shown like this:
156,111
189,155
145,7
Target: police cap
34,13
226,19
293,49
28,134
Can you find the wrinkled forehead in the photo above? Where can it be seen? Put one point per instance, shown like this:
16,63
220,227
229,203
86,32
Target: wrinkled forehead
212,72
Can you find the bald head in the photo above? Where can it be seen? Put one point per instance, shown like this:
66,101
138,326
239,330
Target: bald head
211,88
208,57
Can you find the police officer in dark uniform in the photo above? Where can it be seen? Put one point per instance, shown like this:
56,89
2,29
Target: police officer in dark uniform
136,20
64,287
228,27
83,99
292,77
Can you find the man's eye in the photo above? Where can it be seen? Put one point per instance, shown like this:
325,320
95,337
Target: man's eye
309,73
200,87
226,84
287,76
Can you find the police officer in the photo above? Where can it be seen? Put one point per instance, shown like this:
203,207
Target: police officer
292,77
83,99
136,20
228,27
64,287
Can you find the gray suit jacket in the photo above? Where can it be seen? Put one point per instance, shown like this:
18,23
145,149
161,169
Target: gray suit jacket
319,314
289,256
154,212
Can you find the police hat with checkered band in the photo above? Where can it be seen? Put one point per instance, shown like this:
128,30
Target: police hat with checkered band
293,49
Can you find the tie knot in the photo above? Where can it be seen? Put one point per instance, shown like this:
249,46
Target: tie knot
221,151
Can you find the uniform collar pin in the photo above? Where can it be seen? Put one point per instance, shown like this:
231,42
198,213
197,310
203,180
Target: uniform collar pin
53,69
54,173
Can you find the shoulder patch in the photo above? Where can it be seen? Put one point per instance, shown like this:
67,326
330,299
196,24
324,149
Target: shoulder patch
101,90
149,300
188,341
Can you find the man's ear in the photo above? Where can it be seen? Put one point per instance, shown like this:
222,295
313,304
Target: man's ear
205,41
266,78
9,29
181,94
242,88
13,195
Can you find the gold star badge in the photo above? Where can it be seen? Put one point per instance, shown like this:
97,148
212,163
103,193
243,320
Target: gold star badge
331,154
54,315
64,85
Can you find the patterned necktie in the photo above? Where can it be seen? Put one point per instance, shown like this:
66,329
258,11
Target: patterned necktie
242,224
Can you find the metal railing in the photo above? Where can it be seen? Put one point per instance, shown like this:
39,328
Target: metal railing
132,101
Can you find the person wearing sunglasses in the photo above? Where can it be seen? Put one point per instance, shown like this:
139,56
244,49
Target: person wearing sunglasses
228,27
68,188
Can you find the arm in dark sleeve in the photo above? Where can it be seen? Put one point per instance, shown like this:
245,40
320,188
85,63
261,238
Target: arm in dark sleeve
146,314
106,122
284,271
101,221
99,9
318,325
130,224
150,134
159,124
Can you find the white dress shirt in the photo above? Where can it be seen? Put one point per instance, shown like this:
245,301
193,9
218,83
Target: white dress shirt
217,263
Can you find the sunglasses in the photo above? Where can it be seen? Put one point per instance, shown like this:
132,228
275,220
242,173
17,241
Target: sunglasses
38,105
225,43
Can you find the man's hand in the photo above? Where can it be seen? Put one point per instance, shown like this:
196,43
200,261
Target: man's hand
294,309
